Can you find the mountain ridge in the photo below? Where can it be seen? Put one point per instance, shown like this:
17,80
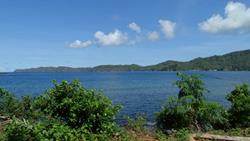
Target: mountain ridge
234,61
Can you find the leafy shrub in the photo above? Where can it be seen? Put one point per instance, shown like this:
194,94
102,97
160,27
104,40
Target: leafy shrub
239,112
136,124
176,114
212,115
9,105
23,130
20,130
180,135
78,107
66,112
190,110
58,132
161,136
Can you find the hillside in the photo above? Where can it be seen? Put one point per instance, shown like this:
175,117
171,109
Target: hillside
235,61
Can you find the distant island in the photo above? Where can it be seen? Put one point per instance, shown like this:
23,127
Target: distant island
235,61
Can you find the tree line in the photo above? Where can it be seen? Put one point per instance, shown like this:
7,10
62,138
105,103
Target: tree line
235,61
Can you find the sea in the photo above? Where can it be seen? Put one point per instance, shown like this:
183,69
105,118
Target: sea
139,93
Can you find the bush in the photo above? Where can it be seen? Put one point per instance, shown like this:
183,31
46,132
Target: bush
19,130
23,130
58,132
176,114
212,115
66,112
137,124
239,112
9,105
190,110
180,135
78,107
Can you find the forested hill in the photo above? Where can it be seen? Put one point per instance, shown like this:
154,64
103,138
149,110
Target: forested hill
235,61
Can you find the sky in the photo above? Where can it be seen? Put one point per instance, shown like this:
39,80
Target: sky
86,33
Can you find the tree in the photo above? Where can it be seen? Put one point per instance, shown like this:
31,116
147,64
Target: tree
190,110
239,112
190,85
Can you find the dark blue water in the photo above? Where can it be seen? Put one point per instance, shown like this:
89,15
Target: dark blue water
138,92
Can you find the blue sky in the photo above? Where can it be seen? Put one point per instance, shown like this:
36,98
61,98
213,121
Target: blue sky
83,33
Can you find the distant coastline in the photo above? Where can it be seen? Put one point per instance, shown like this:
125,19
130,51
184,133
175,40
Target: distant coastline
235,61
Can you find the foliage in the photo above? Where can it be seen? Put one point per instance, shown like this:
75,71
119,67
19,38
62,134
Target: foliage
190,110
23,130
19,130
136,124
58,131
190,85
180,135
78,107
212,115
176,114
239,113
9,105
66,112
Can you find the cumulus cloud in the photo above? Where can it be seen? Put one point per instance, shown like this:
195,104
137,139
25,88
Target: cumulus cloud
168,28
80,44
237,18
111,39
133,26
117,37
153,36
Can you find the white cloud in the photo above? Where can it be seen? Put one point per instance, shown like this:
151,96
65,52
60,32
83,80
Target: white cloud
117,37
153,36
168,28
111,39
133,26
237,18
80,44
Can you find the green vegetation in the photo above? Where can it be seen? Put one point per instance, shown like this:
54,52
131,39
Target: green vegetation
65,112
137,124
180,135
239,113
70,112
235,61
190,110
12,107
78,107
